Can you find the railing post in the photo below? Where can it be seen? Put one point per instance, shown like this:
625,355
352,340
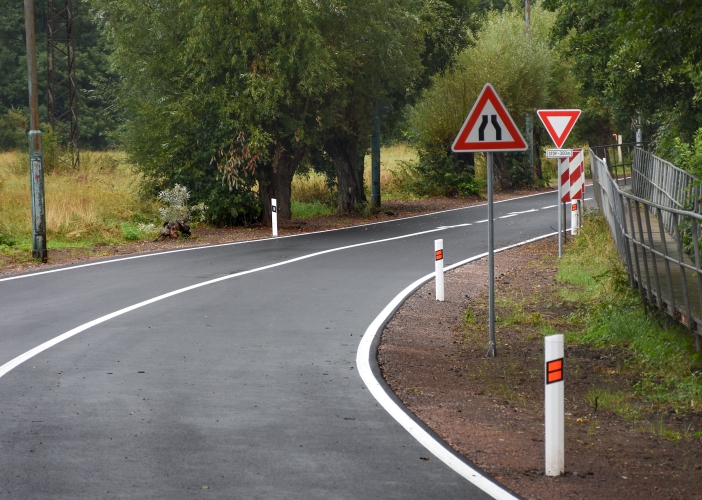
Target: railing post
696,237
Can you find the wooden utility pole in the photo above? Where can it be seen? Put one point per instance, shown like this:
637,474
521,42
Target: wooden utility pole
36,153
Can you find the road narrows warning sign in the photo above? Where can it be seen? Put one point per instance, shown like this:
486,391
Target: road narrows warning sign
558,123
489,127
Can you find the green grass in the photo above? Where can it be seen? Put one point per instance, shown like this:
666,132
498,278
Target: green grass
84,206
303,210
662,354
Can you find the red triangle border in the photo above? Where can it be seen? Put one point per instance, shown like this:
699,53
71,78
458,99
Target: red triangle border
488,94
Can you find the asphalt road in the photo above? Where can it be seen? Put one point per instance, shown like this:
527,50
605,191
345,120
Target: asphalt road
243,386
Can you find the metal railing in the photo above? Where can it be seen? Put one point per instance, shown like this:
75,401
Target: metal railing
661,182
652,230
619,158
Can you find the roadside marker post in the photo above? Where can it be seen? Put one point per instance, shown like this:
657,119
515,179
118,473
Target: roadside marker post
274,216
489,128
554,439
439,268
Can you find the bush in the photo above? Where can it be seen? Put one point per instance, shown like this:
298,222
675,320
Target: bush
437,174
13,130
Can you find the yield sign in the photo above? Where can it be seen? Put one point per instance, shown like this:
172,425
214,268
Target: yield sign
489,127
559,123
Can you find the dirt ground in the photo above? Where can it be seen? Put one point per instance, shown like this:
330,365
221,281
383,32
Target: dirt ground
212,236
491,410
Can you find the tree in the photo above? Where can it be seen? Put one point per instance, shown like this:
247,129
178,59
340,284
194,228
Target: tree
636,57
92,69
221,86
376,47
526,77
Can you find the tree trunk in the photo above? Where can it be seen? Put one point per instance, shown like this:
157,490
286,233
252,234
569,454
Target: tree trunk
499,165
538,167
344,154
275,181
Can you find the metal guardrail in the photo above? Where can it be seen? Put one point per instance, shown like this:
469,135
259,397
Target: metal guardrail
650,228
619,158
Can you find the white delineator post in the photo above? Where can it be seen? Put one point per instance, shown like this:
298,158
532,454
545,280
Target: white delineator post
554,437
439,268
274,216
574,218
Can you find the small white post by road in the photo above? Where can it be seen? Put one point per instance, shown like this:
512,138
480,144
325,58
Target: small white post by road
439,268
574,217
274,216
554,439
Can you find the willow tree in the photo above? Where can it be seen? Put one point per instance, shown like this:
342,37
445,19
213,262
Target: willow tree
224,88
527,76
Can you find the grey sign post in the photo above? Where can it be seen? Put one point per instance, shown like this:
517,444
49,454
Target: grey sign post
489,128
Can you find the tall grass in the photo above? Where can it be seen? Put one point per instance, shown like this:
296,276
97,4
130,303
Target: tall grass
661,351
83,205
395,175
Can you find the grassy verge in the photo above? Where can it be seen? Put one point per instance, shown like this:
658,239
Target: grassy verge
98,203
661,352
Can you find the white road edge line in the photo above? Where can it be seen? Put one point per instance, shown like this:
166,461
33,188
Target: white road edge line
399,413
50,343
190,249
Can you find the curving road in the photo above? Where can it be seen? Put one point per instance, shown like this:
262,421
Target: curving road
225,371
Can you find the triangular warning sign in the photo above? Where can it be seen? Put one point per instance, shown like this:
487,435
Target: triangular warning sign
558,123
489,127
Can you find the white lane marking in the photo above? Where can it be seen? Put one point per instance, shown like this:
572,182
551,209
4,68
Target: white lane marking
506,216
364,368
50,343
399,413
190,249
481,221
550,206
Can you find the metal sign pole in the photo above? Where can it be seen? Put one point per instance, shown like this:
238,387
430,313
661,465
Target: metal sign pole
492,346
560,209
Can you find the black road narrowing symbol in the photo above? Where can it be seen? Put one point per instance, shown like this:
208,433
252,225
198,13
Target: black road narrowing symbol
495,124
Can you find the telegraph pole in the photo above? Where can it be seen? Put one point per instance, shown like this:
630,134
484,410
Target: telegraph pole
36,153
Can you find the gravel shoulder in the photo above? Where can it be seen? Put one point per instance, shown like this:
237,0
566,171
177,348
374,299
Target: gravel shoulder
491,410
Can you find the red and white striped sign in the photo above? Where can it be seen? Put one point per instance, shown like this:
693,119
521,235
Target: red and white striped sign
572,176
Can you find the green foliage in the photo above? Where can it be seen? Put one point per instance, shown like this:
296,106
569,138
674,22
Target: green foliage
635,57
436,174
13,130
687,156
660,351
96,117
302,210
131,232
7,241
527,76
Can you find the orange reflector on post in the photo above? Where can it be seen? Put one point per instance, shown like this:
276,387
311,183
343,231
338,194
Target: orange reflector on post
554,371
439,255
574,207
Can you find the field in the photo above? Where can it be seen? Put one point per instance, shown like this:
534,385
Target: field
99,203
84,206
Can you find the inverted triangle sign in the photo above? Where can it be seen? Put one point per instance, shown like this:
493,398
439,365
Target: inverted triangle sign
558,123
489,127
